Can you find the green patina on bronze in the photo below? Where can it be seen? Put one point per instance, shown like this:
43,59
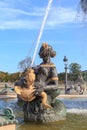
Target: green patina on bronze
7,117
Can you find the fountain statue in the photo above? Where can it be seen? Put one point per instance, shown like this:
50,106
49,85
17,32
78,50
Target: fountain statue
39,90
81,84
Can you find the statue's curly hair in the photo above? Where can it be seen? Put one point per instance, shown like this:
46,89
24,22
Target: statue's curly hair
46,50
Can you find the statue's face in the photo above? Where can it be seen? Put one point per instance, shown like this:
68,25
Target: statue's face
46,59
30,76
46,53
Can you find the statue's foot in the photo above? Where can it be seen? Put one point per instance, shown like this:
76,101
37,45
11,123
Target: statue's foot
47,106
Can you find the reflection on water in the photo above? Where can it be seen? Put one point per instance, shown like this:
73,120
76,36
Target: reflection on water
76,118
72,122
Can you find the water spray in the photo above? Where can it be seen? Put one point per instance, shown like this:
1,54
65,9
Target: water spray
41,30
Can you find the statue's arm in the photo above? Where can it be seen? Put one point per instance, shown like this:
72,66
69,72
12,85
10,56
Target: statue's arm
50,87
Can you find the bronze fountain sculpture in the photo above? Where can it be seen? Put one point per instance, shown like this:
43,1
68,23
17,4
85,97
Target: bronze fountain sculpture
39,90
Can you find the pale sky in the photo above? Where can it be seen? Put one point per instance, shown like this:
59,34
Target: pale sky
65,29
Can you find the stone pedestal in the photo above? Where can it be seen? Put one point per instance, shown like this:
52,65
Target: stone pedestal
39,115
7,124
8,127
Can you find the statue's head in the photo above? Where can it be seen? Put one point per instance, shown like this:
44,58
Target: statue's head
30,75
46,51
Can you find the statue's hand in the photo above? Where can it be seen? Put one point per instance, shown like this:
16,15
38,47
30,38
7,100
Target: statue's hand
25,94
28,94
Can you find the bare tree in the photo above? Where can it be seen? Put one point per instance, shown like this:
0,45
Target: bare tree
24,64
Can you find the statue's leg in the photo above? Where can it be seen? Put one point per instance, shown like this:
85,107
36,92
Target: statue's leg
44,100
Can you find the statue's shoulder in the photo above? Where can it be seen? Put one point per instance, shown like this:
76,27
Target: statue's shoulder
47,65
